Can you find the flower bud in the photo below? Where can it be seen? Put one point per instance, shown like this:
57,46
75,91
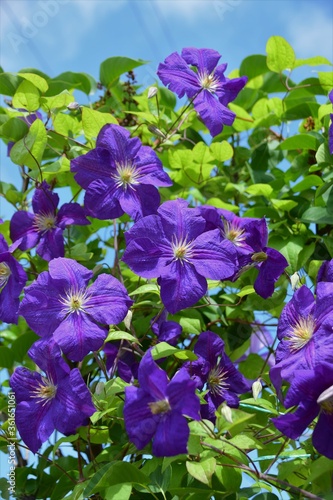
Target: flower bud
152,91
226,412
295,281
256,388
156,131
72,106
128,320
99,388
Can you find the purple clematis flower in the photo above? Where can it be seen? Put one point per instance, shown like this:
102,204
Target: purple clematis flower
210,90
249,237
312,392
60,304
156,410
46,225
120,176
166,331
59,399
12,280
216,372
120,357
173,247
325,272
305,333
330,130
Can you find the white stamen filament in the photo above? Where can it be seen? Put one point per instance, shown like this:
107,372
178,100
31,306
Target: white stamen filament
158,407
301,333
217,381
233,233
208,82
74,301
45,391
126,176
44,222
182,250
5,273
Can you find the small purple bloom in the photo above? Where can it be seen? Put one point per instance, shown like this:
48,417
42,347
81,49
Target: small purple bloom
173,247
330,130
57,399
28,119
213,370
210,90
120,176
120,357
166,331
250,237
46,225
12,280
157,409
312,392
60,304
305,333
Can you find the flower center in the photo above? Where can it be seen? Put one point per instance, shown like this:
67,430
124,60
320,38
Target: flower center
126,176
182,250
5,273
45,391
74,301
217,381
233,233
44,222
208,82
325,400
158,407
301,333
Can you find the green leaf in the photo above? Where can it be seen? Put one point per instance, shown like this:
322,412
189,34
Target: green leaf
253,66
113,67
9,82
284,205
203,470
14,129
26,96
70,80
6,357
222,151
312,61
289,248
118,492
149,288
164,350
67,125
191,321
300,141
318,215
326,79
308,182
36,80
260,190
30,149
93,121
58,101
115,473
280,55
118,335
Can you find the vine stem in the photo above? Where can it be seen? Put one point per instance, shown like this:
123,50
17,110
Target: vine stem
266,477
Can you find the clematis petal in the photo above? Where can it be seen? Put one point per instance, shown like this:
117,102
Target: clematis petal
139,202
182,397
102,199
44,200
171,436
294,424
22,230
51,244
96,164
146,258
69,273
71,214
117,140
181,286
322,436
269,273
213,113
152,378
34,423
212,258
140,423
78,335
175,74
203,59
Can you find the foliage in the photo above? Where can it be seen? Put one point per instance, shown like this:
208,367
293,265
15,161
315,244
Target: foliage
272,162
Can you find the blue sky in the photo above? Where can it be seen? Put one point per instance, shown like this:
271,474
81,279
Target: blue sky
60,35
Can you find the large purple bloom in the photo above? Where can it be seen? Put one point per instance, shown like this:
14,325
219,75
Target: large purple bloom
249,237
156,410
59,303
46,225
57,399
214,371
173,247
120,176
312,393
12,280
208,86
305,333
